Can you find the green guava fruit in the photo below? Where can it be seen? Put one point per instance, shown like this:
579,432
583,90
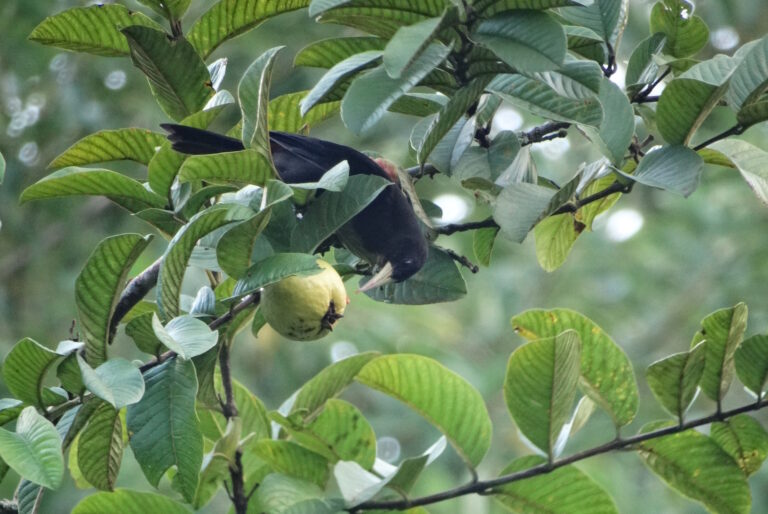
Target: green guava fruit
305,307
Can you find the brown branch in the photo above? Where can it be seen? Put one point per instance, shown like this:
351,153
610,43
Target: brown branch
452,228
545,132
229,409
487,486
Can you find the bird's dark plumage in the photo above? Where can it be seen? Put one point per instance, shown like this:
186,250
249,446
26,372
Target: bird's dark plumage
386,231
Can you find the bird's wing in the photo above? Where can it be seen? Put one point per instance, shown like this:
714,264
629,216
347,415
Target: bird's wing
326,154
297,158
195,141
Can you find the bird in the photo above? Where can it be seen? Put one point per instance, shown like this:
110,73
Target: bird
387,233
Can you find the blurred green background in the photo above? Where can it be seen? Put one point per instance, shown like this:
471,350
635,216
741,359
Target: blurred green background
655,265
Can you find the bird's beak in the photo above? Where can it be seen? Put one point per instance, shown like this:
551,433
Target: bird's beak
379,279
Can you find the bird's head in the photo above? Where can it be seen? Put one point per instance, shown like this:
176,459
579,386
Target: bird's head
402,263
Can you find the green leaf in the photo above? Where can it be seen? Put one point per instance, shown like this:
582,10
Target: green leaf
290,459
616,131
10,408
674,379
171,9
333,209
519,207
117,381
409,41
140,330
686,33
111,145
98,288
606,373
243,167
439,280
235,247
74,181
253,93
540,386
338,433
230,18
675,168
24,369
251,412
165,165
29,496
642,69
317,7
275,268
280,494
566,489
185,335
386,18
164,427
450,113
482,244
749,80
372,93
177,76
34,450
751,361
573,79
444,398
529,41
588,213
100,448
607,18
694,465
125,501
555,237
752,163
94,29
284,113
542,100
331,82
180,249
491,7
586,43
744,439
327,52
753,113
688,100
723,331
329,383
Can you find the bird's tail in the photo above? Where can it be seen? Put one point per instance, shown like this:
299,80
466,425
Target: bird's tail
190,140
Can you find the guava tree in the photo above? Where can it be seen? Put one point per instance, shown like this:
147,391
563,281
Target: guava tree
451,65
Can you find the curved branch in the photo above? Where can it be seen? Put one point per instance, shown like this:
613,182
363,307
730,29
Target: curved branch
487,486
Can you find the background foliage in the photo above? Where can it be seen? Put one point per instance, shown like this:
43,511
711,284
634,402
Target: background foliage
649,292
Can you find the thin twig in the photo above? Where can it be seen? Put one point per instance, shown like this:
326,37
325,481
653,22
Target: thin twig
545,132
733,131
461,259
648,99
452,228
229,409
487,486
